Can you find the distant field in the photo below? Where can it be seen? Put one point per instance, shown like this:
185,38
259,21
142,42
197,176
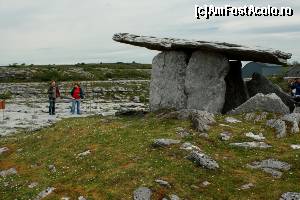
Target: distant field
78,72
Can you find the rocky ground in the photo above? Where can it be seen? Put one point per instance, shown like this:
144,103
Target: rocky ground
190,155
28,104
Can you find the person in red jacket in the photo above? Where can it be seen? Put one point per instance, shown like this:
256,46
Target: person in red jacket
77,94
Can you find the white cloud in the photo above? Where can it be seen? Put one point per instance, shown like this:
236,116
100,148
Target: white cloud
70,31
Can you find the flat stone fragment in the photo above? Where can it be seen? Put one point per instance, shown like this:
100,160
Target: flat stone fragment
8,172
258,137
279,125
32,185
3,150
247,186
232,120
259,145
290,196
174,197
85,153
44,193
232,51
163,183
189,147
260,102
275,173
203,160
270,163
142,193
81,198
295,146
164,142
225,136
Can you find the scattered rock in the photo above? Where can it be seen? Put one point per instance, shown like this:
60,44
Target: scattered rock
8,172
182,132
163,183
189,147
174,197
33,185
232,120
81,198
52,168
142,193
164,142
3,149
290,196
203,160
225,136
85,153
44,193
260,145
205,183
260,102
247,186
65,198
258,137
279,126
201,120
295,146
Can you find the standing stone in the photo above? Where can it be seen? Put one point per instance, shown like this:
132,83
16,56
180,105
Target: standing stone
204,83
167,81
236,91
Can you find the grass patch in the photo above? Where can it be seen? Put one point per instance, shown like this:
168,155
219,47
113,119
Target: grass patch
122,159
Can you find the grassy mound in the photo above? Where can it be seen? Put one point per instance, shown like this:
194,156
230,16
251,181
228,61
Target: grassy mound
122,159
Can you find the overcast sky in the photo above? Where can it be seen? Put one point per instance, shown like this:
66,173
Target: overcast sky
71,31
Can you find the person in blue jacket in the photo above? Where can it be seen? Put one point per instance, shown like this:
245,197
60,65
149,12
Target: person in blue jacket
296,85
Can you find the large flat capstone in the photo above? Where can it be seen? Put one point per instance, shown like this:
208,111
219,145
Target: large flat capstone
231,51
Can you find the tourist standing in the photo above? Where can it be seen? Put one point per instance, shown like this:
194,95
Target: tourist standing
77,94
53,93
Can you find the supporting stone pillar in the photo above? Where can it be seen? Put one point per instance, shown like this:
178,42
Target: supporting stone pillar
205,86
236,91
167,81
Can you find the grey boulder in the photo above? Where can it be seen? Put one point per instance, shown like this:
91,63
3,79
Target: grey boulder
260,102
203,160
290,196
279,125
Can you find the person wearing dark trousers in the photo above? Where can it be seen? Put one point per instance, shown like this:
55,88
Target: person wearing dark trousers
77,94
53,93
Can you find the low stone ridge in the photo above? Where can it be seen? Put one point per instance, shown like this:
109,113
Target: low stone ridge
203,160
142,193
279,125
290,196
271,166
164,142
189,147
260,84
232,51
260,102
259,145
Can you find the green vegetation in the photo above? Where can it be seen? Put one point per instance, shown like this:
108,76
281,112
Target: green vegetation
6,95
122,159
78,72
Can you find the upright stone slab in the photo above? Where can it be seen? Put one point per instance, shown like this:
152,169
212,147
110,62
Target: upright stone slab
236,91
167,81
205,86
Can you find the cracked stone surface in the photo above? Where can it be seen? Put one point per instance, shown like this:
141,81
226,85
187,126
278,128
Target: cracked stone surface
142,193
259,145
203,160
